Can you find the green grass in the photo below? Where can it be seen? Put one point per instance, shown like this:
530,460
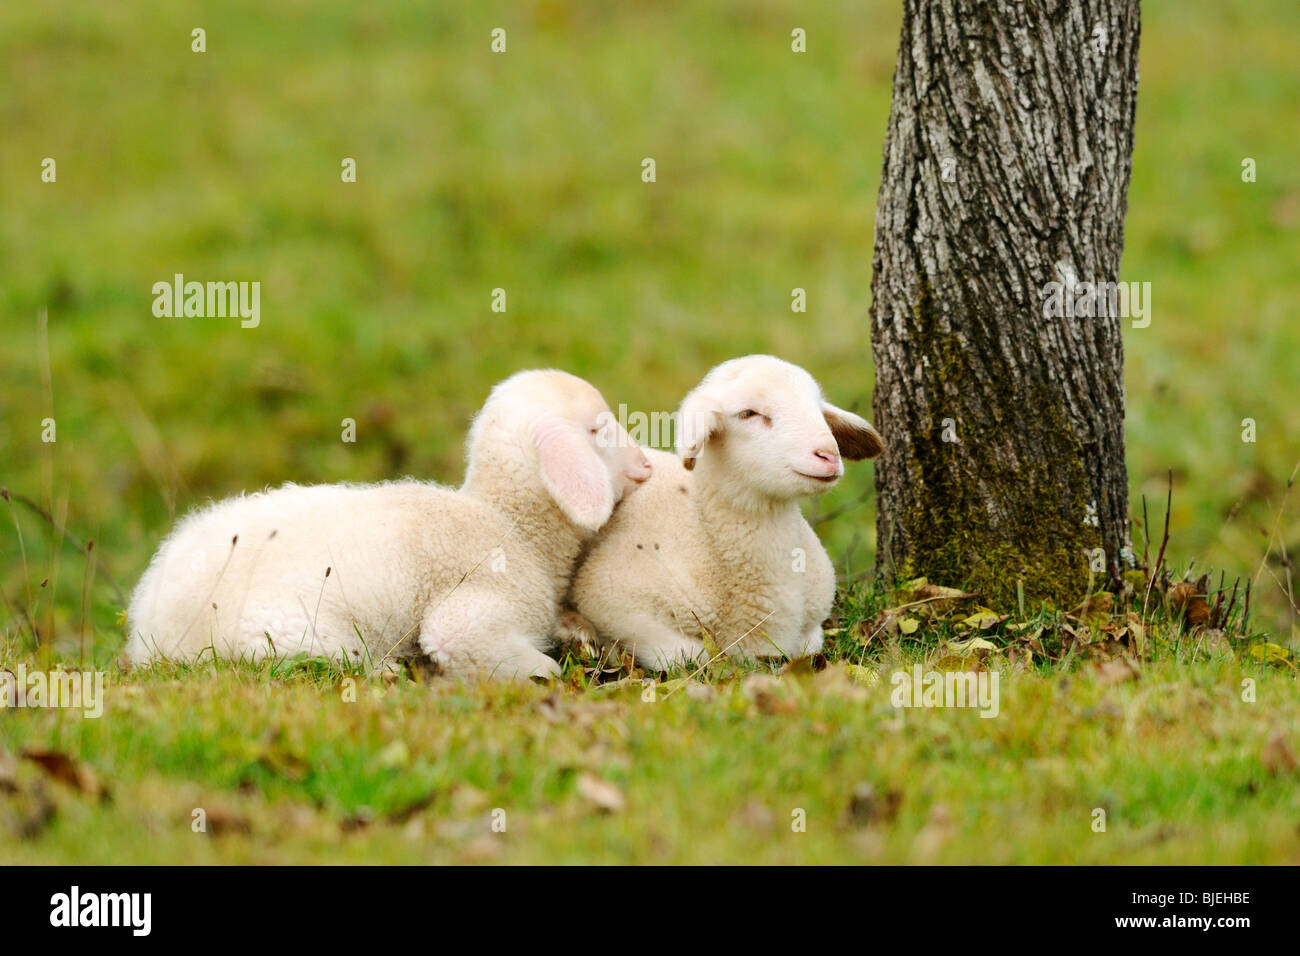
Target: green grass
522,171
297,762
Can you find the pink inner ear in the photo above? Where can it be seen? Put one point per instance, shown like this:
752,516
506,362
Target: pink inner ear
574,474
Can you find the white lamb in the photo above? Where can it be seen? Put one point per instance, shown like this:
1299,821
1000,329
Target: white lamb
714,542
473,577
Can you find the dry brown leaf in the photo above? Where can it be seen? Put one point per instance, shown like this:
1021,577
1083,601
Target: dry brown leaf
925,591
1277,757
807,664
768,695
1115,671
70,772
1189,599
601,794
222,821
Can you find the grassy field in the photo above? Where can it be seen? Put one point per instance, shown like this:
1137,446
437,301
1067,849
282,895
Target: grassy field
522,171
300,763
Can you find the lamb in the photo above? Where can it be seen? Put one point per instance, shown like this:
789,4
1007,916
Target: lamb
714,542
472,577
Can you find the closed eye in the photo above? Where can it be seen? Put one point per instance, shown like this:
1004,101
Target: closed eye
751,413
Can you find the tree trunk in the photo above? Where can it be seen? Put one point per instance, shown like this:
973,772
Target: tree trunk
1006,169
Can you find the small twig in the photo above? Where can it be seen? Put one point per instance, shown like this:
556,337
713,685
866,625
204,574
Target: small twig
1232,603
1160,559
1245,620
67,536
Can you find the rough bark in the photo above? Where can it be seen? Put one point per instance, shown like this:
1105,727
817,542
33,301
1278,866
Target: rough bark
1033,105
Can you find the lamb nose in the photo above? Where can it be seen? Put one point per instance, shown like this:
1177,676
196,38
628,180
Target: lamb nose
828,455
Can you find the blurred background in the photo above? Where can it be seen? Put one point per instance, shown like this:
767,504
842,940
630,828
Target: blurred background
522,171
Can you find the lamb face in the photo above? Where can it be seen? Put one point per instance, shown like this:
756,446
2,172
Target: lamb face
765,422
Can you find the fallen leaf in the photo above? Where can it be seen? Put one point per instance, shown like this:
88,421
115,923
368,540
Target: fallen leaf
976,646
807,664
1114,671
70,772
983,619
221,821
938,593
920,589
1271,653
1187,599
768,694
911,587
601,794
908,625
1277,757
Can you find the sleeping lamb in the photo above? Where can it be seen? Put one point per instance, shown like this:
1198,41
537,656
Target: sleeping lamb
714,543
473,577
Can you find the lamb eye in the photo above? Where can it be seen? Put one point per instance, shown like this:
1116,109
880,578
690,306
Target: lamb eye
747,413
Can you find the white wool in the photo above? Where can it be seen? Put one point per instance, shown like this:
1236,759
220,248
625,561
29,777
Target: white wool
715,542
472,577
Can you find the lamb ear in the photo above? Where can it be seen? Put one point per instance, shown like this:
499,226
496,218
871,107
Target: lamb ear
699,418
853,433
573,473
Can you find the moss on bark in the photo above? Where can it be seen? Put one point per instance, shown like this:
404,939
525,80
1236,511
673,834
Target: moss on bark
951,536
